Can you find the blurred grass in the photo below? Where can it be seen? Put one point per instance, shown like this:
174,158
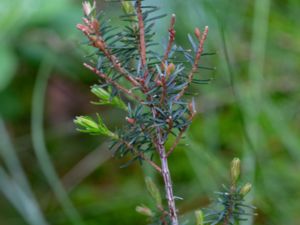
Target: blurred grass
14,184
251,110
38,103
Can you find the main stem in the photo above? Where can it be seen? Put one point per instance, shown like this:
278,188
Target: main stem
167,179
159,143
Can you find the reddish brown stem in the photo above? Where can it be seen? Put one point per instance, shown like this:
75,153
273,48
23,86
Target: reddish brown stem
179,136
115,62
171,40
153,164
111,81
119,68
169,46
176,142
142,35
166,55
196,61
98,42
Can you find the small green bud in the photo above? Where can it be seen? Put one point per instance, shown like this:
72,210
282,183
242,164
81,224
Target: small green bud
106,98
86,122
199,217
100,93
246,189
128,7
153,190
144,211
88,125
235,169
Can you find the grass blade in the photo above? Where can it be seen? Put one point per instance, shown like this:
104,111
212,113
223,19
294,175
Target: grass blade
39,143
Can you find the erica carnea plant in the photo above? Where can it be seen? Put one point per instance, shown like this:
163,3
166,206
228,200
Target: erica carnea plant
150,86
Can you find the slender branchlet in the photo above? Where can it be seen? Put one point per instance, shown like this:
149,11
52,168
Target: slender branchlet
172,33
91,29
201,40
112,82
141,155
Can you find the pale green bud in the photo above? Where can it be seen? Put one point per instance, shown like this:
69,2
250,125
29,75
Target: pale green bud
144,211
100,93
88,125
235,169
86,122
106,99
128,7
199,217
246,189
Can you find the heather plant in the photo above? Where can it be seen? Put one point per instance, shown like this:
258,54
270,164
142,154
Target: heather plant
152,88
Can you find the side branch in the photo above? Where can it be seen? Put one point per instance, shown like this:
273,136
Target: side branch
182,131
111,81
176,142
171,40
142,155
201,39
91,31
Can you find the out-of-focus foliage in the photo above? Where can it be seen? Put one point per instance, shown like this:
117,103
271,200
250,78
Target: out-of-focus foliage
251,110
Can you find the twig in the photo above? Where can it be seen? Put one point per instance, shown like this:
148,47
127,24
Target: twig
169,46
201,39
98,42
176,142
179,136
171,40
153,164
142,35
111,81
119,68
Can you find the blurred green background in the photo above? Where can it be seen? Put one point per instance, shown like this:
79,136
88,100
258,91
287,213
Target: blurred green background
51,174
